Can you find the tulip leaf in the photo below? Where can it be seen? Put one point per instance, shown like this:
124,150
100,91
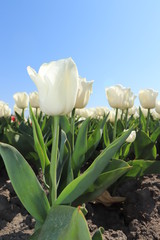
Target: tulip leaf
79,185
142,120
25,183
80,148
114,170
144,147
95,138
98,234
39,142
63,222
155,134
142,167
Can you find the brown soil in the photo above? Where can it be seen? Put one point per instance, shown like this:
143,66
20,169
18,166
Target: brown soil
137,218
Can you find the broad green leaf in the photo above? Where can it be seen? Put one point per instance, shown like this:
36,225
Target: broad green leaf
80,148
79,185
25,183
64,222
144,147
114,170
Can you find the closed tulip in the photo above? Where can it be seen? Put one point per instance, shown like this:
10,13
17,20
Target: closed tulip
34,99
57,83
147,98
120,97
84,92
21,99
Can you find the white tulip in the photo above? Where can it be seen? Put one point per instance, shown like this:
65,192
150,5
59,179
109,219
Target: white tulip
5,111
132,110
112,115
34,99
144,111
157,107
120,97
17,110
155,114
84,92
147,98
131,137
21,99
57,83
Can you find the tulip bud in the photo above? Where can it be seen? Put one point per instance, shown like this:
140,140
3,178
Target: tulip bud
34,99
57,83
147,98
84,92
21,99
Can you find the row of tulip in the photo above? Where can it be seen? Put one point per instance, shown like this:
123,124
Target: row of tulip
62,141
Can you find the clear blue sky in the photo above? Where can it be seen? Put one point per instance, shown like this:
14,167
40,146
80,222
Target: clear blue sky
111,41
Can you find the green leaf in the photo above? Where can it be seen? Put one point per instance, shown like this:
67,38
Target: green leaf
155,134
25,183
98,234
144,147
64,222
114,170
80,148
39,142
95,138
79,185
142,167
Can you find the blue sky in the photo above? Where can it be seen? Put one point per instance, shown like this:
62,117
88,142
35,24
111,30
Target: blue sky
111,41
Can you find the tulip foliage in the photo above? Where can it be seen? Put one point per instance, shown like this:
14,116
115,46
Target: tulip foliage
80,152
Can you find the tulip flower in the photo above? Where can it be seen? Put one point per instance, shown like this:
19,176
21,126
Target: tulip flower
147,98
34,99
131,137
21,99
84,92
5,111
17,110
120,97
57,83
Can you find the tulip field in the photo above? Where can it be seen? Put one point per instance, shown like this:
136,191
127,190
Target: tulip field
83,154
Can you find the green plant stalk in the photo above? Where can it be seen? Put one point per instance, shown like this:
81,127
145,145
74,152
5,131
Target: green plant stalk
126,116
22,114
53,164
72,128
122,114
115,125
148,119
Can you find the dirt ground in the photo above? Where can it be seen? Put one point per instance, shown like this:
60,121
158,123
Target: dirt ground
137,218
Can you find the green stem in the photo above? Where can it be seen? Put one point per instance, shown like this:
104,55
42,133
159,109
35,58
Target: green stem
126,116
148,119
72,128
115,125
122,114
22,114
54,155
